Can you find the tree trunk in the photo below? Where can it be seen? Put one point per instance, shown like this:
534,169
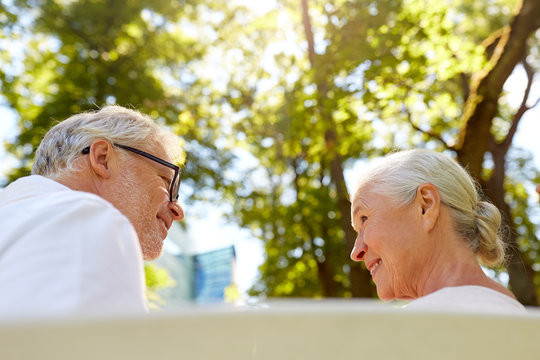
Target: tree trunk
359,278
521,275
475,135
521,282
482,104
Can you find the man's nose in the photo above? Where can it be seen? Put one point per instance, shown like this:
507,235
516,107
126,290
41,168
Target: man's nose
176,210
359,250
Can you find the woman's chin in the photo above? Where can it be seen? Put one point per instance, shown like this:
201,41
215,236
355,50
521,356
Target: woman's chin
385,295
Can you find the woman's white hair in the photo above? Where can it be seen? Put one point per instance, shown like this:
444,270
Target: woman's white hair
63,144
399,174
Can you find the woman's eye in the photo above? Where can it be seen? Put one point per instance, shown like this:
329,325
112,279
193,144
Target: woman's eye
363,219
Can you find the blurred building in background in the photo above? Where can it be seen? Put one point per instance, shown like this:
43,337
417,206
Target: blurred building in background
201,276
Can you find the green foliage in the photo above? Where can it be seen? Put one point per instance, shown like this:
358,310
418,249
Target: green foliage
83,54
385,74
157,278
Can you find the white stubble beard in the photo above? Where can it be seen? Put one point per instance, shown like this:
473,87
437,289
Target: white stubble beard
136,204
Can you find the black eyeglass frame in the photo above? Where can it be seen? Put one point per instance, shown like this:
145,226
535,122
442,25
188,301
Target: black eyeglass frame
175,183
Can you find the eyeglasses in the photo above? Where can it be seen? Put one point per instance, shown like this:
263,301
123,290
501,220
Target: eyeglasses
175,183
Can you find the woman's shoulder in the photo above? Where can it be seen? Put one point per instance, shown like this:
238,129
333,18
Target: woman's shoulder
469,298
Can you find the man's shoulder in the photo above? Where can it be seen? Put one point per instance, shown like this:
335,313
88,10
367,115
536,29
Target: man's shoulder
40,196
84,206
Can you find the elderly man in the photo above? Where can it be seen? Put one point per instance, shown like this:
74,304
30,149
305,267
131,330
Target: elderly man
101,198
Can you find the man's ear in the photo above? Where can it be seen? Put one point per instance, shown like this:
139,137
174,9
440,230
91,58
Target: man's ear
100,157
429,200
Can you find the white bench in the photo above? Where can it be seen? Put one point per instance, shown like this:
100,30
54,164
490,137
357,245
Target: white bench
328,330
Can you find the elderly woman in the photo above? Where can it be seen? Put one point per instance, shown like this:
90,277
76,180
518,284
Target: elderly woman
422,231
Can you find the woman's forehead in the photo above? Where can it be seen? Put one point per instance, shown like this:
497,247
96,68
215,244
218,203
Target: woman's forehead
363,192
361,199
368,196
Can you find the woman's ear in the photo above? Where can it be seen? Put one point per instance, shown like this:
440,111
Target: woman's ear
430,201
100,157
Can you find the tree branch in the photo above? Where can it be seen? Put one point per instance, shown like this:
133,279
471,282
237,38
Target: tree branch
465,79
482,105
523,108
431,134
309,33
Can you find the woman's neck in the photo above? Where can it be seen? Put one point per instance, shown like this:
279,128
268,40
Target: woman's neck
460,269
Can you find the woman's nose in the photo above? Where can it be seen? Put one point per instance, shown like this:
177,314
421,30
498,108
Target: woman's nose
176,210
359,250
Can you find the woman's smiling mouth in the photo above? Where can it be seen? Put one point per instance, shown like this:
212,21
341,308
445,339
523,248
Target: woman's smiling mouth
373,266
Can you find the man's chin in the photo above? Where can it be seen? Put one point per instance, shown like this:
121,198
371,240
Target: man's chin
152,256
152,249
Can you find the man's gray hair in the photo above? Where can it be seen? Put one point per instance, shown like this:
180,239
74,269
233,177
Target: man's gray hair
63,144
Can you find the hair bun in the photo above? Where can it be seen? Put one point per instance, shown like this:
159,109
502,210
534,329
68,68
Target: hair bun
490,248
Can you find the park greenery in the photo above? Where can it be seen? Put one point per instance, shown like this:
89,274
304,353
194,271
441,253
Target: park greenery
276,102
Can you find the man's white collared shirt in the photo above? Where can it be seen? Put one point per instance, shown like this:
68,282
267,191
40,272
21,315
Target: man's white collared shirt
64,252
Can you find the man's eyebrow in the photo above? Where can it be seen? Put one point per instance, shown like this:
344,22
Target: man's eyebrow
167,173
